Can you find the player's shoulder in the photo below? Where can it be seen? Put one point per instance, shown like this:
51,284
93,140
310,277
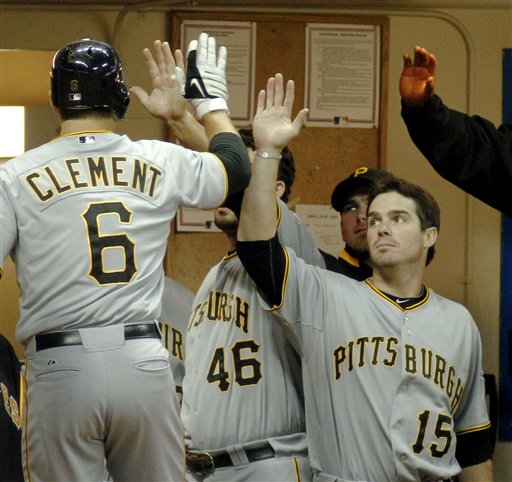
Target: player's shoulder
447,305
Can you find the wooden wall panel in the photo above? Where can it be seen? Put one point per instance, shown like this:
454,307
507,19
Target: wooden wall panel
323,155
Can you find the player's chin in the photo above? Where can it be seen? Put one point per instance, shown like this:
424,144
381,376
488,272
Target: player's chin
382,257
360,245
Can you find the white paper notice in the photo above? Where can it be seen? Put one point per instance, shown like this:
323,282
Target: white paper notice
191,219
342,75
324,223
240,40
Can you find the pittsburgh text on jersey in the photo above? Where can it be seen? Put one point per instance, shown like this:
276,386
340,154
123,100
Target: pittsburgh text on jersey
385,351
221,307
65,176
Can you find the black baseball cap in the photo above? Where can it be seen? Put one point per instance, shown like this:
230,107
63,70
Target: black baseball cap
360,178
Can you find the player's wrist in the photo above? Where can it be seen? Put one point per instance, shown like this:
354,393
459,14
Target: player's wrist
205,106
268,153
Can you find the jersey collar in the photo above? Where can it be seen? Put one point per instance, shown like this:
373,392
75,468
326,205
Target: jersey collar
407,304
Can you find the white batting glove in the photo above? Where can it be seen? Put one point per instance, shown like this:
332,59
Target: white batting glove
206,85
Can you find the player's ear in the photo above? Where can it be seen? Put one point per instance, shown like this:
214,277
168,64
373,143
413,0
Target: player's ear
280,187
430,235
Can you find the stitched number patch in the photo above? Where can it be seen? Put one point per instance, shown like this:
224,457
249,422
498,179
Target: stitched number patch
247,369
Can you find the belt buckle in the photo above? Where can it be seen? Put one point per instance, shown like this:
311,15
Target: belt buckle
201,463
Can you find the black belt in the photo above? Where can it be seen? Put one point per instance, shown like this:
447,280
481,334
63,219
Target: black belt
205,463
67,338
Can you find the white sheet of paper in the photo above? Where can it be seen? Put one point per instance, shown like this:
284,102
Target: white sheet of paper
324,223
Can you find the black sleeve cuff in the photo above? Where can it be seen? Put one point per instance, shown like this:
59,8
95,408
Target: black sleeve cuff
265,261
474,448
231,150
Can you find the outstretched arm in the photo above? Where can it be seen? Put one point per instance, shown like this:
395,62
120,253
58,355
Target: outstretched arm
272,129
166,101
217,133
417,79
258,246
468,151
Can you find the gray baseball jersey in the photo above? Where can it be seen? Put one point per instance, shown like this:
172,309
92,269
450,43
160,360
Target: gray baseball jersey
176,306
387,389
98,222
87,217
242,380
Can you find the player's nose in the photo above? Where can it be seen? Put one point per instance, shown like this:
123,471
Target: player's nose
383,229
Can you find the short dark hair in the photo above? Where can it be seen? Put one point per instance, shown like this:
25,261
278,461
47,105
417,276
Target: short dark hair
286,171
427,208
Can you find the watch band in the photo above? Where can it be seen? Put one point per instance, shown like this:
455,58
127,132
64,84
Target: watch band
267,155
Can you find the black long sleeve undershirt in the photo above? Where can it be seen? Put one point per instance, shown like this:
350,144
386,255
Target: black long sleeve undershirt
231,150
265,261
468,151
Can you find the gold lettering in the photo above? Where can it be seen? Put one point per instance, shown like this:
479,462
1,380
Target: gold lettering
410,359
339,358
74,174
30,179
440,370
15,412
139,175
177,343
5,394
391,350
154,178
213,305
242,315
449,382
222,307
97,171
376,340
60,189
350,356
118,171
362,344
426,364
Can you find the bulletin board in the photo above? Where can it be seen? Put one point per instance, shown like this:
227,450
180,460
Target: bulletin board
323,155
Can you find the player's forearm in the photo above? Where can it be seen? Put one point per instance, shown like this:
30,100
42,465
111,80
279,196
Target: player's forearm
216,122
189,132
478,473
258,219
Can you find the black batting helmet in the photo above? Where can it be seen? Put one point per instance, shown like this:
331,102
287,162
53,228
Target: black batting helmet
88,74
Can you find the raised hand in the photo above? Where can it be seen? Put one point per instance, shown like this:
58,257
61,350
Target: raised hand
417,79
168,80
273,127
206,85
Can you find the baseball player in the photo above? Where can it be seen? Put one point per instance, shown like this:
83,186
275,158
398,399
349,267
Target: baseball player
393,380
350,199
240,361
10,414
86,217
176,306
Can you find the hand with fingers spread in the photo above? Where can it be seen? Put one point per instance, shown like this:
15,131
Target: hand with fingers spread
206,85
168,80
273,127
417,79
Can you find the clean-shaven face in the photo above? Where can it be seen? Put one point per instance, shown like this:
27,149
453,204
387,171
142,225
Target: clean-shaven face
394,231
